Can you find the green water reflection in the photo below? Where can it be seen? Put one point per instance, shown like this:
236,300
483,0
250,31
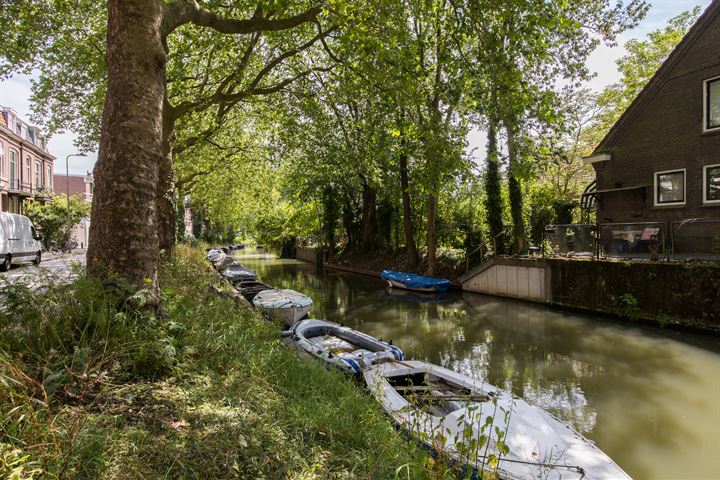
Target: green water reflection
649,398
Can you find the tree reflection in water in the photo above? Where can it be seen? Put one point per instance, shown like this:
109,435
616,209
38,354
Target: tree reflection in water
648,397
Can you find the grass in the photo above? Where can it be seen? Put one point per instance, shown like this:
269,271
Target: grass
94,386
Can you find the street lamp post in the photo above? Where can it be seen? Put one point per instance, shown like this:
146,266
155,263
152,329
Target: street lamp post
67,189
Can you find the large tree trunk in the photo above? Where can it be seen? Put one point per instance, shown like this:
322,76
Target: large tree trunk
493,201
167,211
410,246
431,237
124,230
515,190
369,217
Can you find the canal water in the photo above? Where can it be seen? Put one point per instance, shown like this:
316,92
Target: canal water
649,398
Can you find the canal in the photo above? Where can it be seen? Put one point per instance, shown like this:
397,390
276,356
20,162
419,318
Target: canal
650,398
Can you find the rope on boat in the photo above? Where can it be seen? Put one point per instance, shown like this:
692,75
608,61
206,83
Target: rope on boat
578,468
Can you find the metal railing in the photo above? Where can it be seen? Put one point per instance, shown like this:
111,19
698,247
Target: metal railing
16,186
695,238
690,239
647,240
577,238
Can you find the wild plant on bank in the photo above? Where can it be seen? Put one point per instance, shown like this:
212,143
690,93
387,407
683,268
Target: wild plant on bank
93,386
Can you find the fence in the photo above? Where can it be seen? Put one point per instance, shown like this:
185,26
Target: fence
633,240
576,238
696,239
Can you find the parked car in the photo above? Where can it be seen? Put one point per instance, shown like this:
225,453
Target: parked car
19,242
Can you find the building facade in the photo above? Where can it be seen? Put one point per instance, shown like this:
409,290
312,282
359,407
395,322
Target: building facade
84,187
26,165
661,161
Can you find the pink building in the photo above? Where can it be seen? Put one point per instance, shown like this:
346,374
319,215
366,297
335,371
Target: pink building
26,166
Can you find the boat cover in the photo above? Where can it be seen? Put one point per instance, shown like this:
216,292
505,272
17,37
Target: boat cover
341,347
283,298
412,280
237,271
215,255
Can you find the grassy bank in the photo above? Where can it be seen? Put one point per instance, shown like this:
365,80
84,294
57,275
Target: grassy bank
96,387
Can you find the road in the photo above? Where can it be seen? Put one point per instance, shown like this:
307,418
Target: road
56,266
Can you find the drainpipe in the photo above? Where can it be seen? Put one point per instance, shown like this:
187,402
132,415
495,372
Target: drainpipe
20,166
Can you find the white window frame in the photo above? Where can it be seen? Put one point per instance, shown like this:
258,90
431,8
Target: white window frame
705,106
704,185
655,189
38,175
28,171
13,162
2,160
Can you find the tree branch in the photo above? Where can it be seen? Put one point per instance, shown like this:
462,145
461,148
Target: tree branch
180,12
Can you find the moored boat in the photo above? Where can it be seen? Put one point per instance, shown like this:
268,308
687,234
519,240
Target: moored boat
341,347
284,304
412,281
249,289
239,273
484,428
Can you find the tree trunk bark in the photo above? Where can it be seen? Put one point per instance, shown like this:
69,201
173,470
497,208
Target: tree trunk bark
515,190
493,201
431,237
167,211
369,217
410,246
124,230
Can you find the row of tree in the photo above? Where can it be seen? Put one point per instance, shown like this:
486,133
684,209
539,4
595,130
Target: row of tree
332,118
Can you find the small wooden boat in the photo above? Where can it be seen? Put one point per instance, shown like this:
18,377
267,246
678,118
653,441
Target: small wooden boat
285,304
340,347
238,272
484,428
249,289
411,281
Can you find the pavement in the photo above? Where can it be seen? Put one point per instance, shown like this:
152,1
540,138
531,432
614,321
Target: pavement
56,266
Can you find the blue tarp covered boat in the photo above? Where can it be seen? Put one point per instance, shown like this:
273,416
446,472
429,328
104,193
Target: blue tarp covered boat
411,281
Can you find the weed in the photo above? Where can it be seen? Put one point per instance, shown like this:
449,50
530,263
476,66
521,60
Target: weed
93,386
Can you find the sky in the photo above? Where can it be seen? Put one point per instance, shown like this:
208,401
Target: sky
15,92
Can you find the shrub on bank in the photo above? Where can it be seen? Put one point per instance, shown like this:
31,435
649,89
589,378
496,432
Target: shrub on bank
93,386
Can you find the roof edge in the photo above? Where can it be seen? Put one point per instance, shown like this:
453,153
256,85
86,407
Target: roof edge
659,77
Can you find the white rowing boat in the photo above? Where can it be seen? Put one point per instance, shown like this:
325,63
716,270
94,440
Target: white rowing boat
484,428
286,305
340,347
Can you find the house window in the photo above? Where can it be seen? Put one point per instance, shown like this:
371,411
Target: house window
670,187
711,184
38,174
2,160
91,188
712,104
13,167
27,178
48,179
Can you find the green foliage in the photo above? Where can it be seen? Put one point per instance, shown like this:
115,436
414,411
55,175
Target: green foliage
636,68
51,219
92,386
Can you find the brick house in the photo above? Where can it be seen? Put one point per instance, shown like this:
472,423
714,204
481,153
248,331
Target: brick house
661,161
84,187
26,166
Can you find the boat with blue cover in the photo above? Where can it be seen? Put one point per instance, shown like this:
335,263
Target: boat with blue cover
340,347
412,281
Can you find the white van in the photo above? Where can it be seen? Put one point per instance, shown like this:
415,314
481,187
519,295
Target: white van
19,242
